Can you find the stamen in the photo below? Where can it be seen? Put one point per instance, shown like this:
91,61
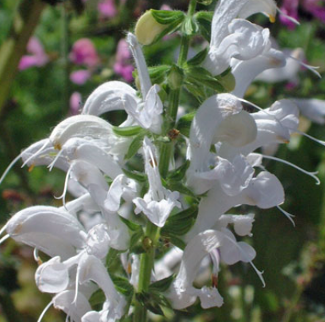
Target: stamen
3,229
13,162
4,238
36,153
309,67
311,174
259,273
65,188
51,165
289,216
295,21
44,311
310,137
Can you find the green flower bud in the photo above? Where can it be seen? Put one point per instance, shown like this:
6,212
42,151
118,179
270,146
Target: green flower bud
147,28
175,77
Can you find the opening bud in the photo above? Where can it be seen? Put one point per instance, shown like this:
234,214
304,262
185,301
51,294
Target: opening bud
148,29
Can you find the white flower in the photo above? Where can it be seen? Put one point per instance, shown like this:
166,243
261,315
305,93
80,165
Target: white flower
158,202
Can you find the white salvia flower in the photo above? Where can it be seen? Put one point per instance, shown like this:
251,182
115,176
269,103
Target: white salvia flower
244,41
225,12
145,82
219,119
289,72
245,71
242,223
182,292
274,125
314,109
158,202
53,231
74,308
94,182
264,191
92,269
107,97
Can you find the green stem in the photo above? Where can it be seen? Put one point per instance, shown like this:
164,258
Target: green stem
24,23
146,266
152,231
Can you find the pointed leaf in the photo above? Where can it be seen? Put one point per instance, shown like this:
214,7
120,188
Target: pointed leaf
135,145
161,285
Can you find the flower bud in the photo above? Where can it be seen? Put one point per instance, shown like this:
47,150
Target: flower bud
175,77
147,28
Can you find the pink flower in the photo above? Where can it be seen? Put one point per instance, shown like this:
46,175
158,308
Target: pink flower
80,76
37,58
123,64
75,103
107,9
290,8
84,53
315,8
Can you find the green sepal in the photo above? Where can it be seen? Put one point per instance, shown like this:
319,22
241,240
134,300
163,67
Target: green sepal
161,285
135,175
167,17
127,130
204,15
184,124
153,301
198,58
131,225
181,223
189,26
122,285
135,145
158,73
179,173
199,75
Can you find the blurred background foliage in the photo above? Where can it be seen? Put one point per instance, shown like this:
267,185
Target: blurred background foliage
47,91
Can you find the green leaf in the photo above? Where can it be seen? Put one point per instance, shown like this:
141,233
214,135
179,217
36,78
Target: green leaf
167,17
199,75
138,234
198,58
181,223
180,187
197,91
179,173
97,298
132,226
127,130
204,15
184,124
135,145
161,285
177,241
204,19
122,285
111,256
150,302
138,176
